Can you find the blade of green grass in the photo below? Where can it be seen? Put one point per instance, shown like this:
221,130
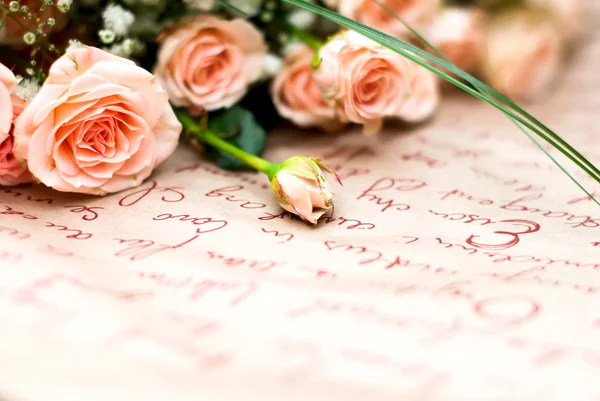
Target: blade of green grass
232,7
482,90
411,52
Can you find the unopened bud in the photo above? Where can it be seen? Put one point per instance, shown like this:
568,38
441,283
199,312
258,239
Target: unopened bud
300,188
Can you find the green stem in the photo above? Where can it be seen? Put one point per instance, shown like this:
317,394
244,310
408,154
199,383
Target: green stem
305,37
210,138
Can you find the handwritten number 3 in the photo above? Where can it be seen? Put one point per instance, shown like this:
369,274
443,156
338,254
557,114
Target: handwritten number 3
530,227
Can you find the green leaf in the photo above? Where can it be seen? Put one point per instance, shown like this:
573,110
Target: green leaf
238,127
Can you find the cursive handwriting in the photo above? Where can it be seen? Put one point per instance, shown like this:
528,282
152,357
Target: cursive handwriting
419,156
172,194
517,205
349,224
196,288
10,211
88,213
502,257
28,198
13,232
73,233
138,249
277,234
383,184
226,193
258,265
210,223
371,256
511,237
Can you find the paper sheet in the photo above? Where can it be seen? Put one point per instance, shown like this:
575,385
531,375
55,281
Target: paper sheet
459,264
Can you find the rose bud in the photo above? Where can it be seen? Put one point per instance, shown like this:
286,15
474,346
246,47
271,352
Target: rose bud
524,53
364,81
208,63
459,34
416,13
296,95
300,188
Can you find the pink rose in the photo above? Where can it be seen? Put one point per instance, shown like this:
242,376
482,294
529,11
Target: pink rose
14,28
12,172
209,62
416,13
460,35
99,124
570,15
525,71
296,95
424,96
364,81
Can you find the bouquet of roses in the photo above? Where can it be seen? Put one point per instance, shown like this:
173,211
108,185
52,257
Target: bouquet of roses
95,94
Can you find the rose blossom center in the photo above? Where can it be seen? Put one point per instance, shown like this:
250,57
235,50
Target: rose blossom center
98,138
301,90
6,156
208,64
375,85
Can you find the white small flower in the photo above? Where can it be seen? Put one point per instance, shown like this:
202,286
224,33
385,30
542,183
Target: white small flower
118,19
250,7
132,46
272,65
27,89
301,19
29,38
116,49
73,45
203,5
291,47
106,36
64,5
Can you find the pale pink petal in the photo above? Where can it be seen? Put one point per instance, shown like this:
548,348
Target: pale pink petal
7,78
6,112
167,133
297,192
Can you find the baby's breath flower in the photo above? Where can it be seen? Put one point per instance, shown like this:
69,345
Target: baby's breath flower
73,45
29,38
272,64
132,46
51,21
118,19
250,7
291,46
301,19
106,36
116,49
64,5
27,89
203,5
13,6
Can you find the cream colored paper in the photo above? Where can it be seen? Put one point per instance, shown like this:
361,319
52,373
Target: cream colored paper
459,264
